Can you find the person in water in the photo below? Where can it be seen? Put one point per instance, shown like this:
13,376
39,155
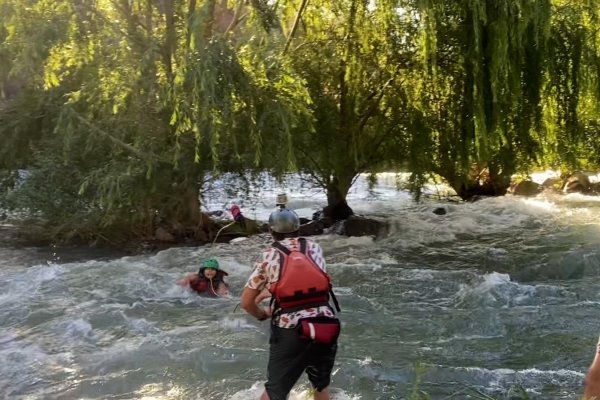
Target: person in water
209,281
304,327
237,215
592,378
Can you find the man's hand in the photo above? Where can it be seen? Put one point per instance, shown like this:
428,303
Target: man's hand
265,294
268,311
248,303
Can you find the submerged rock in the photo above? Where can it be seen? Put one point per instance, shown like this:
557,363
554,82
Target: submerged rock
526,188
361,226
439,211
312,228
577,183
338,212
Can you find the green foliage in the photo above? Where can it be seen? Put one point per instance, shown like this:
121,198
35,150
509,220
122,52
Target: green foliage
351,61
482,100
137,112
122,110
571,102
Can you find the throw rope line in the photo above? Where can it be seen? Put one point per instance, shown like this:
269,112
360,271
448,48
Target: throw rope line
209,252
219,232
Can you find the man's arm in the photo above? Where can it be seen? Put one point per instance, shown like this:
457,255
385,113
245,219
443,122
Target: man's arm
248,303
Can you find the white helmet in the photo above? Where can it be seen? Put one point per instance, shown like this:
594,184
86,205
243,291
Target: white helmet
284,221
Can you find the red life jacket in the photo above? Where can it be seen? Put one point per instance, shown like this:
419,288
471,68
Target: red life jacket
301,284
235,211
202,286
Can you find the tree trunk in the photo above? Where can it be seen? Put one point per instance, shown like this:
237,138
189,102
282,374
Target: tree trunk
190,15
492,181
170,39
209,7
337,189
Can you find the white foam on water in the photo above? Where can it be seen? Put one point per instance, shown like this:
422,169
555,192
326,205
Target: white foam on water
343,291
542,203
305,212
186,330
237,324
541,176
495,289
26,284
367,361
418,226
234,267
334,242
580,198
141,325
76,329
497,377
296,394
161,391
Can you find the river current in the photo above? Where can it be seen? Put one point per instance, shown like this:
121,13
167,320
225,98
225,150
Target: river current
493,297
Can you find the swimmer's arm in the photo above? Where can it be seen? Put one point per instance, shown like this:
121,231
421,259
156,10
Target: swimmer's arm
186,280
223,289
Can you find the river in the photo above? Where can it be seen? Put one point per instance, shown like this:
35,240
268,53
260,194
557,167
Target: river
492,297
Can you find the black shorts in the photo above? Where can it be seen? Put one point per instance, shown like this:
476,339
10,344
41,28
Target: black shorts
290,355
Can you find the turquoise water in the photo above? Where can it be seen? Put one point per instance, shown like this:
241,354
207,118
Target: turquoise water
494,295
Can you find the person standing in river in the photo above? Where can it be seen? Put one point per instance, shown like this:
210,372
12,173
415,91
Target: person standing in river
304,328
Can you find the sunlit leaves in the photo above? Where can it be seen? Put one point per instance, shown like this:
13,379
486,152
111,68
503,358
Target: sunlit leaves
142,99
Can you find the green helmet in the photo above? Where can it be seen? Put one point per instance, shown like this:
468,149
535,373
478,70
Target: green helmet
211,263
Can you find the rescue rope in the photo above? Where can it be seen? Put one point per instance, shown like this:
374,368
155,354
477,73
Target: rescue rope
220,296
212,289
208,254
219,232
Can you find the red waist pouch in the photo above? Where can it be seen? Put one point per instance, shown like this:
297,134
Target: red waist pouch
319,329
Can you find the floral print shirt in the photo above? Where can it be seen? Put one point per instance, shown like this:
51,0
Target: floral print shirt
266,272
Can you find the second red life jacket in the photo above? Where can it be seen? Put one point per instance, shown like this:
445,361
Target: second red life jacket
301,284
235,211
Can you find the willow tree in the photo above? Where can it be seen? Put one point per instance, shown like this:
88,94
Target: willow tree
513,85
150,96
485,64
571,100
27,32
350,56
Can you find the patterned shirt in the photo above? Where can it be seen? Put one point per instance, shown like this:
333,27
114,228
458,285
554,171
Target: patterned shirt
266,272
